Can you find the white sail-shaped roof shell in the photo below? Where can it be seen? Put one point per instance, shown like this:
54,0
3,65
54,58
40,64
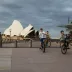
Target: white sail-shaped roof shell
28,33
15,28
27,30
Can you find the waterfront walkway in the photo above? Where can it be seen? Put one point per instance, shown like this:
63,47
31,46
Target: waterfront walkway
33,60
5,59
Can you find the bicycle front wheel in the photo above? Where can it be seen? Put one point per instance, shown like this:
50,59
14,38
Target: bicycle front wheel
63,49
43,48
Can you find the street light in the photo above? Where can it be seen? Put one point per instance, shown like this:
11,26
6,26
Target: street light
10,35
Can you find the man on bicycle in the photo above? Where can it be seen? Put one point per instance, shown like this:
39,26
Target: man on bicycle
64,38
42,36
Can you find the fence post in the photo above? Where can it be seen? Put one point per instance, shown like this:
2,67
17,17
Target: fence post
60,43
0,40
31,43
16,43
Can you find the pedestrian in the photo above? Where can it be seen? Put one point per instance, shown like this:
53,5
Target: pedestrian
0,40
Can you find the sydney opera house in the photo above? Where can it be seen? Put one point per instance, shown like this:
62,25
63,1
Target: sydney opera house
16,31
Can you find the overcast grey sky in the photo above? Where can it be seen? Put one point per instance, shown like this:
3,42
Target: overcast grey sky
40,13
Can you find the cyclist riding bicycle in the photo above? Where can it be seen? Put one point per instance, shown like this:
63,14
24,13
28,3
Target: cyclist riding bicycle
42,36
62,36
65,38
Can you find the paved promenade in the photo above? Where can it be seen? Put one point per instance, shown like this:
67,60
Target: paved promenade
33,60
5,59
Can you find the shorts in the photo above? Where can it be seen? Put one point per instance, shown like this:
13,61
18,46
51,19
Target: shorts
42,39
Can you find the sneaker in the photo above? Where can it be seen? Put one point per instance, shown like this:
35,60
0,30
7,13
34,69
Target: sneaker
68,48
41,48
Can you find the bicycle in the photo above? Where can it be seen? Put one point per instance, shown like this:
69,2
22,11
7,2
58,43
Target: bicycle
43,46
64,49
65,45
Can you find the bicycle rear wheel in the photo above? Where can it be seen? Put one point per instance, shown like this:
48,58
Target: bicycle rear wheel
63,49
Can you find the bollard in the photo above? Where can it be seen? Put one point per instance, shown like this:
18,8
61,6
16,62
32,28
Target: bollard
31,43
0,40
16,43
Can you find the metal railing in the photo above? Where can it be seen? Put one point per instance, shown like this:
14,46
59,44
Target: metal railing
26,43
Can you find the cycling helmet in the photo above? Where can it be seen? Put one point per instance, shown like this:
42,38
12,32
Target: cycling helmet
61,31
41,28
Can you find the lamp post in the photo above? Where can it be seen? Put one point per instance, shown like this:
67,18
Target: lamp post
0,40
10,35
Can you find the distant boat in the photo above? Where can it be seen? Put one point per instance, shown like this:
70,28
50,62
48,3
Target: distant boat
67,26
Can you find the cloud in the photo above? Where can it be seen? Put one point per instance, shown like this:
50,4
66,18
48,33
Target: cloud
69,9
3,9
9,1
12,6
41,13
